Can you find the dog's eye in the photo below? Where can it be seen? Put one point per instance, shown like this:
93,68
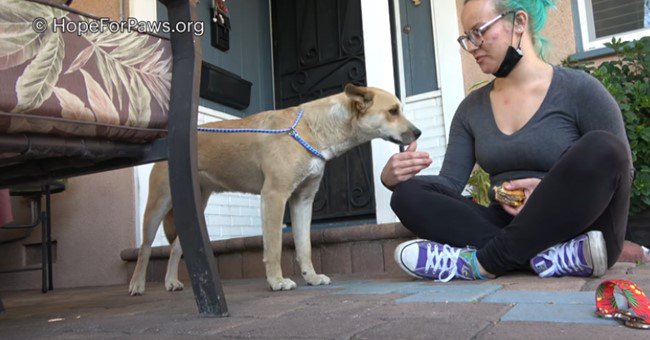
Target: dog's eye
394,112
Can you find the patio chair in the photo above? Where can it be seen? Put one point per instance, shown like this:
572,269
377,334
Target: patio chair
78,104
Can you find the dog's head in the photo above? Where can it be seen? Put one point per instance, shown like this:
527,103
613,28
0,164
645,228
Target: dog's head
379,114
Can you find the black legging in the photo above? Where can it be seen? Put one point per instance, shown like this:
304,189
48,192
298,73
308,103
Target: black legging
587,189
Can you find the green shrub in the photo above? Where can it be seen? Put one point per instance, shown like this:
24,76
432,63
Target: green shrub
627,78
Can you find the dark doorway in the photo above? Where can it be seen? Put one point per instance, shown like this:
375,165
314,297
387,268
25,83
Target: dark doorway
317,49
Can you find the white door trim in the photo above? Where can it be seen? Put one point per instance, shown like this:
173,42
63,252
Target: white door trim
375,16
143,10
445,18
380,67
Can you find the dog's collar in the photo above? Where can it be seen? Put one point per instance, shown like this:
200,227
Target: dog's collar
291,131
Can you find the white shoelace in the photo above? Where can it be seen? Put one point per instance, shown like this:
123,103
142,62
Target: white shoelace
559,266
445,261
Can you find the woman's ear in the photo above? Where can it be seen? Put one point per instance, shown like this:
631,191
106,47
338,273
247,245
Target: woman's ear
521,21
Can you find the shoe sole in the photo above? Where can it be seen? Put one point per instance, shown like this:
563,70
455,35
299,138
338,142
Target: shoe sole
398,257
598,252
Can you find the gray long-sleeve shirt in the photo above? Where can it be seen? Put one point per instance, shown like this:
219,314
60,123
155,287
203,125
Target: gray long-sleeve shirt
575,104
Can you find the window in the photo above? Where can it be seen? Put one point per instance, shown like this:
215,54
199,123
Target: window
600,20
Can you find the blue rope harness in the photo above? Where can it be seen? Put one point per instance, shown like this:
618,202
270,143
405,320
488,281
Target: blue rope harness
291,131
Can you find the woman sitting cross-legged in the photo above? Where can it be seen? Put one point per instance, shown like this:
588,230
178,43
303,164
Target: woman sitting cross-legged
553,132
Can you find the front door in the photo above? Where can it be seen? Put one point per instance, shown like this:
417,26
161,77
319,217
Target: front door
317,49
418,50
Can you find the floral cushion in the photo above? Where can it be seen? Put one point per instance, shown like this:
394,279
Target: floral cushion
109,84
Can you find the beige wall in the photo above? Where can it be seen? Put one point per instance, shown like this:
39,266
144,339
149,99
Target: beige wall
559,31
92,221
104,8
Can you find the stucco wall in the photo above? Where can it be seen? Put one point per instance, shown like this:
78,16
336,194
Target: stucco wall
559,30
105,8
92,221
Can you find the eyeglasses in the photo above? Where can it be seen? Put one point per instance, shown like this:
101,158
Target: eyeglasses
475,36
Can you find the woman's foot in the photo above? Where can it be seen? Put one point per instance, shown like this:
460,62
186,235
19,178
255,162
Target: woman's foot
440,262
585,255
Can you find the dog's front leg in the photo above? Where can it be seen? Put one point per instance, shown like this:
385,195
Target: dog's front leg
273,203
300,205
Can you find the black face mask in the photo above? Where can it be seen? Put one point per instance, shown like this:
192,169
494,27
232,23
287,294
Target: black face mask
512,57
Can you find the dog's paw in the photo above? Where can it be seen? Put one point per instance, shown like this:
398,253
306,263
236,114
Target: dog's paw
173,285
282,284
136,288
317,279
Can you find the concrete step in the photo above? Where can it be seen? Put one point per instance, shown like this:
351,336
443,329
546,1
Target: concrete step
364,249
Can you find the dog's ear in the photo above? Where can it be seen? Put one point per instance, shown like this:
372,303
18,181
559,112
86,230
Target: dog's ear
361,98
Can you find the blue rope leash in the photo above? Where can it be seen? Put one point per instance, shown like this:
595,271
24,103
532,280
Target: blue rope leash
291,131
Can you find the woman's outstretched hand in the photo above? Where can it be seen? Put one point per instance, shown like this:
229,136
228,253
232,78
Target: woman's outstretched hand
404,165
528,185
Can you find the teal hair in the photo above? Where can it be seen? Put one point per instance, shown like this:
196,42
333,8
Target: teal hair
537,16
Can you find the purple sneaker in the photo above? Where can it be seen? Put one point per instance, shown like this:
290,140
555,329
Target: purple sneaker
585,255
431,260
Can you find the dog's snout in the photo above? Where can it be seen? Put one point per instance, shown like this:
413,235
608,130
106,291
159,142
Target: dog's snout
408,136
417,133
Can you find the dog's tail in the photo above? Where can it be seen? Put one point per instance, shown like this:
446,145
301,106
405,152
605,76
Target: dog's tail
169,227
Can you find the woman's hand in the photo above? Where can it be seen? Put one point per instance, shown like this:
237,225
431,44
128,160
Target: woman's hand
404,165
528,185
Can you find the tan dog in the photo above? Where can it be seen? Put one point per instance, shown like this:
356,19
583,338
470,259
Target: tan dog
277,167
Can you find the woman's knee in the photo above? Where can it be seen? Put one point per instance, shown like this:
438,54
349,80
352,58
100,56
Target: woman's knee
416,191
404,192
608,147
599,148
412,191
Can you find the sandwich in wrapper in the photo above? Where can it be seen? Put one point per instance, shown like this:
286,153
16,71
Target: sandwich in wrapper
513,198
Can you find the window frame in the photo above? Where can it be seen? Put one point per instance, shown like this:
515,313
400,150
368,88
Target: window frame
585,26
